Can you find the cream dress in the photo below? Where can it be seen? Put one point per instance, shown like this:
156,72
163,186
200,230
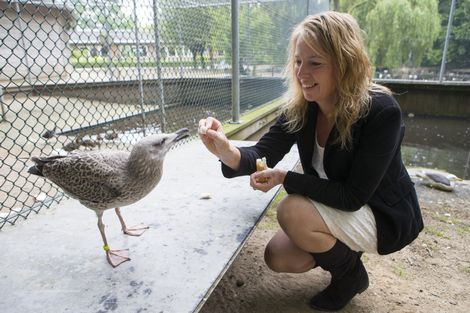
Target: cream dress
356,229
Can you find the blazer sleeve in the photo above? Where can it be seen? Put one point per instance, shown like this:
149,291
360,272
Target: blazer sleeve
378,143
274,145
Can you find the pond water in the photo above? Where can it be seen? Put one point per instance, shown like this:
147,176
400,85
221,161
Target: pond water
439,143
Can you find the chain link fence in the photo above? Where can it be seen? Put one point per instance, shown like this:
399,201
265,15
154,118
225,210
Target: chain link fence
95,74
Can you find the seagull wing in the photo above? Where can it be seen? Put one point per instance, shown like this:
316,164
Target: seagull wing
92,176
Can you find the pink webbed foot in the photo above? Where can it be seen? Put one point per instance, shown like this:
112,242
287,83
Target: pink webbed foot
135,230
117,257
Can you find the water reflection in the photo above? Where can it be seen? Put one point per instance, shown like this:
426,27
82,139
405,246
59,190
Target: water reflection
440,143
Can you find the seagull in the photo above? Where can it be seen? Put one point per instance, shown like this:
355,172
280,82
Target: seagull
108,179
438,180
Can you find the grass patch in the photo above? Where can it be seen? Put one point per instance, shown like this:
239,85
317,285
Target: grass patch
435,232
365,258
399,271
462,229
445,219
269,221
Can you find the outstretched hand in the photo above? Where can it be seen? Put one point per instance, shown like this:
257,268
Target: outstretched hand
271,177
212,135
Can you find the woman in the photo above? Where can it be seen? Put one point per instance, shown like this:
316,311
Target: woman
354,194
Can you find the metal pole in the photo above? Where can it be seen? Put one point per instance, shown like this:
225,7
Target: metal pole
235,63
108,40
2,116
22,27
180,41
446,42
159,65
141,87
250,52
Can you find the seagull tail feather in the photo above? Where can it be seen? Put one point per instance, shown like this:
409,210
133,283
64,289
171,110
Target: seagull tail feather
35,170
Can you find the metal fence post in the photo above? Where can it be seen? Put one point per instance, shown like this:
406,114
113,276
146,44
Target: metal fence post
159,65
446,42
139,65
2,116
22,28
235,63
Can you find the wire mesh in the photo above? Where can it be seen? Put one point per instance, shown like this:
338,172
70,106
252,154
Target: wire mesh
95,74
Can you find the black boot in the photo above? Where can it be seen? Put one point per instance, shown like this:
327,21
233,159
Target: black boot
348,277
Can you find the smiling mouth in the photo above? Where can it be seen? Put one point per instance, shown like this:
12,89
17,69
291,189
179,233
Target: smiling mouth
305,86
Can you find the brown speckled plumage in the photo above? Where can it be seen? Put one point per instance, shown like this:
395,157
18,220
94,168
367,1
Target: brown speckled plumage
103,180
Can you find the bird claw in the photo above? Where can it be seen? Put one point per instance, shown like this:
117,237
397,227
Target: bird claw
135,230
117,257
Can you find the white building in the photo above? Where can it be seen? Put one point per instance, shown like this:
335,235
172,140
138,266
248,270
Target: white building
34,37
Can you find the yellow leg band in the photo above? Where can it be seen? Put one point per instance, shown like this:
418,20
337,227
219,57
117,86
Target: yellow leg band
106,248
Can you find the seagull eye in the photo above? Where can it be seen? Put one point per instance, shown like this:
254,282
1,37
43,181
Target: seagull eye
158,144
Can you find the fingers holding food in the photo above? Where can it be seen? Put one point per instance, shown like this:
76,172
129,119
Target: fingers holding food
202,130
261,166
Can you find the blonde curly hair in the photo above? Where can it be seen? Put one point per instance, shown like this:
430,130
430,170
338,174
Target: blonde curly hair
337,37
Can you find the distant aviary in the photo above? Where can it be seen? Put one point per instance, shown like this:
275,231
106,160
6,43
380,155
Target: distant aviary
106,179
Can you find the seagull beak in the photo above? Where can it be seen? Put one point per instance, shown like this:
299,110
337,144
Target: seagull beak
181,134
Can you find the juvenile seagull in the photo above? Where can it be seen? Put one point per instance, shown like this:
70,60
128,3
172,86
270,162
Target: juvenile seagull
102,180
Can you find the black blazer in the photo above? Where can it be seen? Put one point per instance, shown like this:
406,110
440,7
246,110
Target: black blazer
371,172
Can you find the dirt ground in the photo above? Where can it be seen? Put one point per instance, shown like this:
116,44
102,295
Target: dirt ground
430,275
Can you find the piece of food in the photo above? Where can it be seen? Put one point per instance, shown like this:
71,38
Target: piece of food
205,196
202,130
261,166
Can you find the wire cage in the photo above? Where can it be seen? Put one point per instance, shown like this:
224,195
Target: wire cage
95,74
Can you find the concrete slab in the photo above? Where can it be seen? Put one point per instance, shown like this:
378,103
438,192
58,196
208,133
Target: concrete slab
54,262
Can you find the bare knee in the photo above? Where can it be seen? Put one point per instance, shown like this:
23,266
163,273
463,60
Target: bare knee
297,213
303,224
282,257
286,208
272,259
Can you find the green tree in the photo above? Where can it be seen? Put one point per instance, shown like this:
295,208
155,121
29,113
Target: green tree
99,13
257,36
459,50
187,25
265,28
358,8
220,32
458,53
399,32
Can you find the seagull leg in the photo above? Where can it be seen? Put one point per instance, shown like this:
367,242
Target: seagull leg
114,257
131,231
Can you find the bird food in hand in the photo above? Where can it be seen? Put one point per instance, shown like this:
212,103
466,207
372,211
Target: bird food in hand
261,166
202,129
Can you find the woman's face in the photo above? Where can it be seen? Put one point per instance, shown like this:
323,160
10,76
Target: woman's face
315,74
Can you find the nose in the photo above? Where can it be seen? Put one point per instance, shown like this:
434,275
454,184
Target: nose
300,70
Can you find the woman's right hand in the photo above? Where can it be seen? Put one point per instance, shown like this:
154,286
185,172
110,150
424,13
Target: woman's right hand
213,137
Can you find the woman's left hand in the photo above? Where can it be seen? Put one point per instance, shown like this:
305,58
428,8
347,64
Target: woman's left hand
267,179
